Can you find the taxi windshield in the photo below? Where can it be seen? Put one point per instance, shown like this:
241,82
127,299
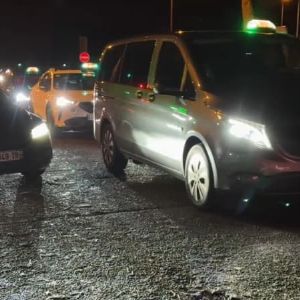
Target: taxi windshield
73,82
31,80
224,60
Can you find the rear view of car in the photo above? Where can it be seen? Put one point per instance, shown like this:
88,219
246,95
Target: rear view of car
25,144
64,99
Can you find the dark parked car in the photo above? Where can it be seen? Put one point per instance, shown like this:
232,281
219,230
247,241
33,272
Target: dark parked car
25,144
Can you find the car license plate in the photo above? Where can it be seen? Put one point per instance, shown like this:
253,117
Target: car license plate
10,155
90,117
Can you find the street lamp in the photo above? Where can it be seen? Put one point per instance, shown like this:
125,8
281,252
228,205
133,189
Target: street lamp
171,14
298,15
283,2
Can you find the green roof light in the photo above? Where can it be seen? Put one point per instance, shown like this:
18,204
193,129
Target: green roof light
91,66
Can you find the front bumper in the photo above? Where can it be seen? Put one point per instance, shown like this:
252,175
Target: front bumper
36,156
73,117
265,173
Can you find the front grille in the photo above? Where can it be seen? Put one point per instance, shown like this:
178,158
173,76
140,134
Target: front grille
86,106
290,148
284,184
14,132
13,141
287,138
78,123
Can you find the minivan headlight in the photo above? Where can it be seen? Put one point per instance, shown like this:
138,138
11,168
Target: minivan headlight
62,102
39,131
251,131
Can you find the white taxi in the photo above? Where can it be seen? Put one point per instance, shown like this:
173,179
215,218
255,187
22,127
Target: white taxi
64,99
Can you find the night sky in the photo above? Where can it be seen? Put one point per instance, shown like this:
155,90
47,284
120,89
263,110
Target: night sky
47,32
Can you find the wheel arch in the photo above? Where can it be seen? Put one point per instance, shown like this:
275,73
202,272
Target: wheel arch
196,138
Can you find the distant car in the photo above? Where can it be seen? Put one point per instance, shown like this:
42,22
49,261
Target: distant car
25,143
6,80
22,87
219,110
64,99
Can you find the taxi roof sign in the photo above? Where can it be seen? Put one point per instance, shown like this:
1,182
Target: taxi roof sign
32,70
89,66
260,26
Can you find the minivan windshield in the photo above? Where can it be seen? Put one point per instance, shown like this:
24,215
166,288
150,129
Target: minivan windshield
31,80
73,81
223,61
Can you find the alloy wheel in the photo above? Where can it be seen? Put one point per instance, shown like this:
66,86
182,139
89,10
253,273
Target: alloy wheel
198,175
108,146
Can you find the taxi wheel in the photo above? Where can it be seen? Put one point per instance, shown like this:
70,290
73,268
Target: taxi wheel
114,160
198,177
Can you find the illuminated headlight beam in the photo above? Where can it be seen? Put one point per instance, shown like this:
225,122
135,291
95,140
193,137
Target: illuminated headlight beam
62,102
39,131
20,97
250,131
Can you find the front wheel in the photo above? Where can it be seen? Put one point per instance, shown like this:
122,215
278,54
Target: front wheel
33,174
114,160
198,177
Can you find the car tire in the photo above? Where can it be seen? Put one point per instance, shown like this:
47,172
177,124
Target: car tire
198,177
33,174
113,159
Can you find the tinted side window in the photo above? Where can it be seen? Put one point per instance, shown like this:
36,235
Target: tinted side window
136,63
111,63
170,68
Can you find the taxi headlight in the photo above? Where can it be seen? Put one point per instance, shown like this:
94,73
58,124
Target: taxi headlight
21,97
251,131
39,131
62,102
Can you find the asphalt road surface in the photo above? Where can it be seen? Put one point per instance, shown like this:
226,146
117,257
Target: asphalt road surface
80,233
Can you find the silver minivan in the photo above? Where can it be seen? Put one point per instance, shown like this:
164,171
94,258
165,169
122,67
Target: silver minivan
219,110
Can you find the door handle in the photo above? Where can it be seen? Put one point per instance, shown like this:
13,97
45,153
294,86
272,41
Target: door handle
139,94
107,97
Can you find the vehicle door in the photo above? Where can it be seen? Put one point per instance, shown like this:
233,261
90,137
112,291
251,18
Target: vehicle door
163,111
108,98
40,95
123,93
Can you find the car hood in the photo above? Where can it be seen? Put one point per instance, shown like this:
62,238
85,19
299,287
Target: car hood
15,126
272,102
